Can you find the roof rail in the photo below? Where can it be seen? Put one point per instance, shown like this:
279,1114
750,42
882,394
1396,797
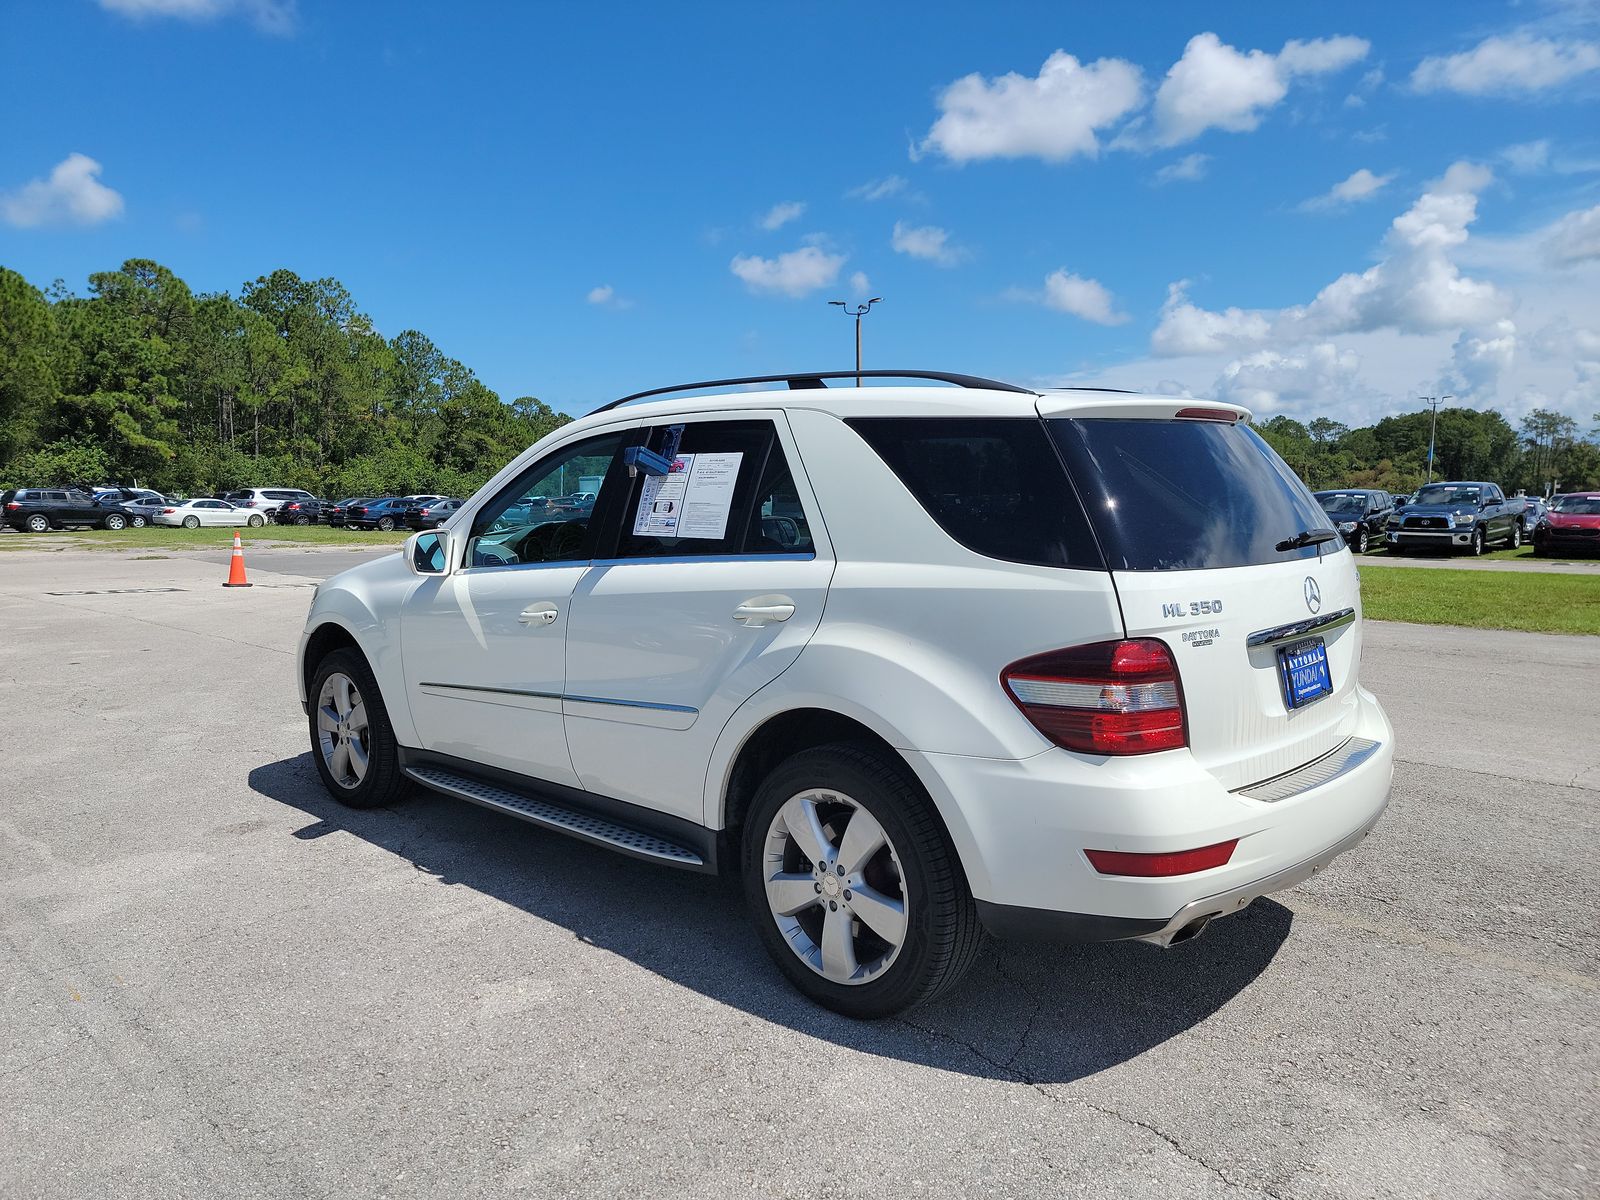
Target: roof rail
814,379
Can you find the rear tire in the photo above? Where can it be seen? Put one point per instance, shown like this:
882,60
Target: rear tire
911,884
386,524
38,523
302,520
191,522
255,520
366,774
1361,542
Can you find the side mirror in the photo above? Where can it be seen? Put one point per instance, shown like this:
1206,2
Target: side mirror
429,552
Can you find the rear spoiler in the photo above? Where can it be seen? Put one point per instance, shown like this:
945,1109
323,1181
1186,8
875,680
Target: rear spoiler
1089,405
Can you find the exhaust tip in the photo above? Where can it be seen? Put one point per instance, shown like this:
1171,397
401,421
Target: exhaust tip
1190,931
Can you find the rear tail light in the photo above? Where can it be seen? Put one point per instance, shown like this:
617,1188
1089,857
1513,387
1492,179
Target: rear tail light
1105,698
13,504
1151,866
165,511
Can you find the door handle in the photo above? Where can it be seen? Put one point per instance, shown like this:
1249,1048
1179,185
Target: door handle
539,614
761,609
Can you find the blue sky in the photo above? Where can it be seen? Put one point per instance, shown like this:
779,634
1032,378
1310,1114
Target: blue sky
1309,209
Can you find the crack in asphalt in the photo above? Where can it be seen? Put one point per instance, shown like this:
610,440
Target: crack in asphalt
1005,1068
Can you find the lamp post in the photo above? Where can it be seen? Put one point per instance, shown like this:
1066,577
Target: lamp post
857,312
1433,402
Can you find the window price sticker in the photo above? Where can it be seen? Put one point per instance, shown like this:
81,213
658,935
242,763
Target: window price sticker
692,500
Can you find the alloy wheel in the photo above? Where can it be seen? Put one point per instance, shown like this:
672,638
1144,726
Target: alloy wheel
834,886
343,733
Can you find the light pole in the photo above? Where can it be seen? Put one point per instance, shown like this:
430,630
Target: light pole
858,312
1433,402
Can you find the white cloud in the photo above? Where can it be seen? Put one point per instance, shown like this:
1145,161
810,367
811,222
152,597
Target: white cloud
1214,86
1527,157
1416,288
601,294
1086,298
1187,169
926,242
878,189
1361,185
1188,329
1055,115
1480,357
780,215
795,273
73,194
270,16
860,285
1507,65
1320,377
1574,239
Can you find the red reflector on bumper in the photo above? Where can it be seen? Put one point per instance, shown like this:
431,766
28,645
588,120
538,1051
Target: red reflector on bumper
1148,866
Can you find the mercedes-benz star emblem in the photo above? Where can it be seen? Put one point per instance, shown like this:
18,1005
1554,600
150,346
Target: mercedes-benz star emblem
1313,594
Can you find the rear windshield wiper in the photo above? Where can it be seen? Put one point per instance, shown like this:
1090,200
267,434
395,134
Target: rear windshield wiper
1307,537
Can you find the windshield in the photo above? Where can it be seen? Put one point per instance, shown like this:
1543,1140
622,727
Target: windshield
1448,494
1353,506
1578,506
1186,495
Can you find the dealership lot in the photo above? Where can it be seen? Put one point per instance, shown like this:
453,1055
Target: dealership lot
216,981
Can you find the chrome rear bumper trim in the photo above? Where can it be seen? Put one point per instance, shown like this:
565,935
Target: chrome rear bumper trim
1345,757
1287,633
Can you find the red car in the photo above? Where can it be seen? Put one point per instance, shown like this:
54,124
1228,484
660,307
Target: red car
1572,526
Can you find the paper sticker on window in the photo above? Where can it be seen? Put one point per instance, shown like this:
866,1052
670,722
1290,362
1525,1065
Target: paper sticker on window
692,500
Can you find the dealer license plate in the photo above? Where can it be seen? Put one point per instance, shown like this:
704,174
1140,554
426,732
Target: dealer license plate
1303,668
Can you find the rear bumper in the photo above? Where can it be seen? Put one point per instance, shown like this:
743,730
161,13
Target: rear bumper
1021,828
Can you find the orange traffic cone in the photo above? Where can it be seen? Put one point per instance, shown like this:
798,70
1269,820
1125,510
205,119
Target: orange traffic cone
236,566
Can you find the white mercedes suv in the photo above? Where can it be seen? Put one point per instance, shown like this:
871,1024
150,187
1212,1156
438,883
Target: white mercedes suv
915,661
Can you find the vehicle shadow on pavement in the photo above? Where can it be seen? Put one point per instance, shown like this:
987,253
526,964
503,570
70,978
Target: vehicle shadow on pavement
1026,1012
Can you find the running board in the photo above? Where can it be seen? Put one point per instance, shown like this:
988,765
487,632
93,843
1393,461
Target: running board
586,827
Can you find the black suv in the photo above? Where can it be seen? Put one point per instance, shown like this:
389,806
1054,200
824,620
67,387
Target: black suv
35,510
1360,514
301,512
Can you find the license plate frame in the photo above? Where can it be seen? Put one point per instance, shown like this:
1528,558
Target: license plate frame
1304,672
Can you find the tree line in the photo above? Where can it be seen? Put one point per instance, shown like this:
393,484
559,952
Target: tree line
142,382
287,383
1544,454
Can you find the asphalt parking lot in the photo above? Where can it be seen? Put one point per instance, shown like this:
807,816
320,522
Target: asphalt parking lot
214,981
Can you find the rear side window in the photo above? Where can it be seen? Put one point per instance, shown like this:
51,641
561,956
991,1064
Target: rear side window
1187,495
707,504
996,485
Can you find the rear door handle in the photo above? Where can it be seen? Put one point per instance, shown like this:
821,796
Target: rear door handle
539,614
761,609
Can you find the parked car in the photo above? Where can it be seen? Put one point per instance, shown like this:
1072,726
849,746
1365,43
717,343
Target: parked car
381,514
1571,526
301,512
1533,511
430,515
192,514
1360,514
141,507
265,500
36,510
334,513
1469,516
950,702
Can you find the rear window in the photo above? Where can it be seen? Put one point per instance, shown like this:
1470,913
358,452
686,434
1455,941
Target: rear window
995,485
1187,495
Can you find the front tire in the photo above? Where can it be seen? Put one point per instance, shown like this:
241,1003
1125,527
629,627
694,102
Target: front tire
1515,540
116,522
352,741
854,888
1477,542
1361,541
137,521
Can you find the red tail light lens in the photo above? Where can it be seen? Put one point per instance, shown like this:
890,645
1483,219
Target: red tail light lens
13,504
1152,866
1208,414
165,511
1105,698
